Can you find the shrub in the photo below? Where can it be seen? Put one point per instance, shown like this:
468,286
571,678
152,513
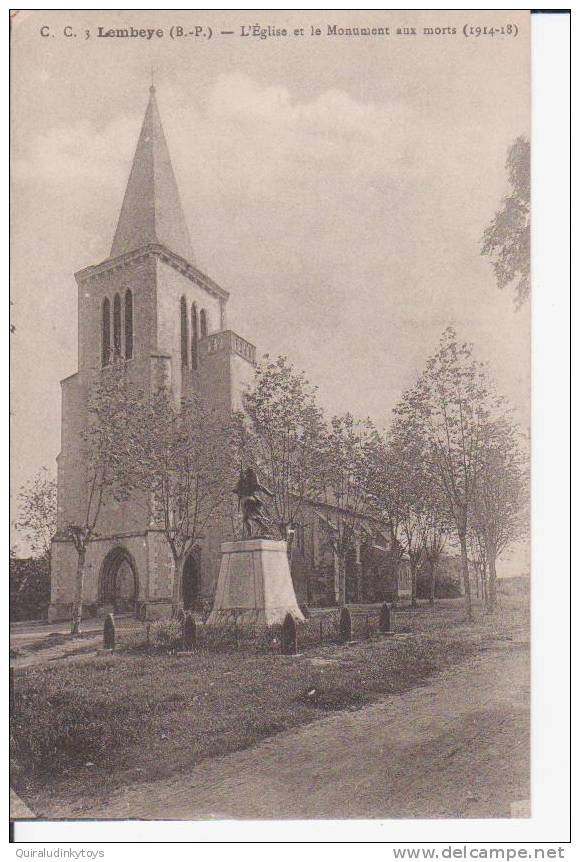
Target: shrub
29,588
446,586
166,634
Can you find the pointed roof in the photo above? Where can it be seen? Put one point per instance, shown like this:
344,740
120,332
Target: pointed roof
152,211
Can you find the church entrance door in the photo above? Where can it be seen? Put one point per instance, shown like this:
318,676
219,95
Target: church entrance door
119,582
191,580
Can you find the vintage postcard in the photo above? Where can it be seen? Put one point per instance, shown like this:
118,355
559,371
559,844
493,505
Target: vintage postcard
271,415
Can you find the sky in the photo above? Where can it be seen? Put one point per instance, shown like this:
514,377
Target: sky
338,187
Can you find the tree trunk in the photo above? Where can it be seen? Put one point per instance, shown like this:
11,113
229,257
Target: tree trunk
413,584
77,610
477,567
492,583
341,582
177,599
465,572
484,583
432,582
391,592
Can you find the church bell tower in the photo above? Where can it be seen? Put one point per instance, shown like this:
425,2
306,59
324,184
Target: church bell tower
149,308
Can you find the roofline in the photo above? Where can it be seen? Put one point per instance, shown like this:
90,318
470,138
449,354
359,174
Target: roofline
166,255
361,515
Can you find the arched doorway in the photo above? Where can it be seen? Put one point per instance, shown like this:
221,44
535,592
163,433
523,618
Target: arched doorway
191,579
119,583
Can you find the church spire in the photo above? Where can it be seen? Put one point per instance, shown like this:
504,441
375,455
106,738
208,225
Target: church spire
151,211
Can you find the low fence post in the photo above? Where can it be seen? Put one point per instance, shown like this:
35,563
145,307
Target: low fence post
109,632
288,635
386,619
189,632
345,626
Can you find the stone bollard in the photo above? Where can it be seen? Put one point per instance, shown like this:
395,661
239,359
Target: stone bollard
189,630
345,626
289,646
109,632
386,619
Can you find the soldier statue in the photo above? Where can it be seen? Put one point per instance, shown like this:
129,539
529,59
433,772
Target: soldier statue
254,510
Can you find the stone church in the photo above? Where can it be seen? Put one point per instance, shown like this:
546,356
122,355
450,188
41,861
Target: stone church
150,308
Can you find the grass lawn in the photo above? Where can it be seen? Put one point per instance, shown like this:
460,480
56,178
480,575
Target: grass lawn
86,726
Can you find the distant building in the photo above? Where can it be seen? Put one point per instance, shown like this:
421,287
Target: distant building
149,308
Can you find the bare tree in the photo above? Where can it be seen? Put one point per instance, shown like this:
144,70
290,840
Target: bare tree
181,457
507,238
283,438
409,487
105,440
349,454
37,504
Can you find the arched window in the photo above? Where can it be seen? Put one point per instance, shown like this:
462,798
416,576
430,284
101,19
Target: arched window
117,325
194,336
106,333
203,323
128,325
184,334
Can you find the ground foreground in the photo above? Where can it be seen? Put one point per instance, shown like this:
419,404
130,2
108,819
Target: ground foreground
432,723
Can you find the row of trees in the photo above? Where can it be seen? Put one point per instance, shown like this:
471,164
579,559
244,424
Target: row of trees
450,469
464,471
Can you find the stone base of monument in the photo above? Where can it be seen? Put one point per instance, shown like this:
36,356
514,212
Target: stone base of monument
254,585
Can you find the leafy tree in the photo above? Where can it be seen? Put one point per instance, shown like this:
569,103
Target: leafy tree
410,496
500,507
506,240
409,487
435,534
181,457
105,440
388,489
446,411
349,455
283,438
37,504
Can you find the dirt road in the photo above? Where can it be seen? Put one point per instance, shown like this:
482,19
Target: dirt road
455,747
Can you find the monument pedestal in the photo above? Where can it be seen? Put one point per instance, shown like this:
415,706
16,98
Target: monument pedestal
254,585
